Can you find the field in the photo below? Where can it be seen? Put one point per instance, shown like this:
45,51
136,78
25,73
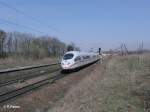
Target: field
120,84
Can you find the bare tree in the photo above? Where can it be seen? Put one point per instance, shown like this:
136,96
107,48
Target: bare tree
9,43
30,46
2,40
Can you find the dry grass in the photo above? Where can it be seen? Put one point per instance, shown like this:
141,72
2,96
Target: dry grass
121,85
15,62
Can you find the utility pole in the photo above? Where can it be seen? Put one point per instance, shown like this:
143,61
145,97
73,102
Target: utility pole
126,50
122,50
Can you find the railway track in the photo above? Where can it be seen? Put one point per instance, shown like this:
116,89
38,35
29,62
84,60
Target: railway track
22,90
26,68
26,78
13,78
16,92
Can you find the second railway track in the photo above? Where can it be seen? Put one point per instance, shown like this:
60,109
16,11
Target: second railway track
26,77
10,76
16,92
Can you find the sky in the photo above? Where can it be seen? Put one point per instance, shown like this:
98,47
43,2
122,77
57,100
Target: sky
87,23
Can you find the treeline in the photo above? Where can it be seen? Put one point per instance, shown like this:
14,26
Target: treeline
31,46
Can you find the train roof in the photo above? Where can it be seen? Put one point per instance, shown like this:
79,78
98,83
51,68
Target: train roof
81,53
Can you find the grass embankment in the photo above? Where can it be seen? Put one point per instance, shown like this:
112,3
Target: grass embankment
122,85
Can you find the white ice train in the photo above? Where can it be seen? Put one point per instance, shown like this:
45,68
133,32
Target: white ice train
75,59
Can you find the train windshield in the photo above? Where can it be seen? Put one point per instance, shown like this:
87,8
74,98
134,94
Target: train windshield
68,56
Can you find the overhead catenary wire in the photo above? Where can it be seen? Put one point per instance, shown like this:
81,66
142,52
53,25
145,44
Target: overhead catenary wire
20,25
29,16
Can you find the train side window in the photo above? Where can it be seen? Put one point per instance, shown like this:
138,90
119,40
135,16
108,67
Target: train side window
86,57
94,56
77,58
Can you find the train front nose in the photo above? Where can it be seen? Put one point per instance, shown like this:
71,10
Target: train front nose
65,64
